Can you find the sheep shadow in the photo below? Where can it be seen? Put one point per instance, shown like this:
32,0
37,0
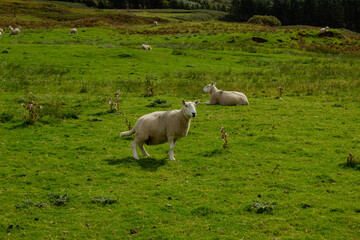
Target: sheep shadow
148,163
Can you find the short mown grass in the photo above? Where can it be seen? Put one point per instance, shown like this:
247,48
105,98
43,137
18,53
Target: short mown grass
69,175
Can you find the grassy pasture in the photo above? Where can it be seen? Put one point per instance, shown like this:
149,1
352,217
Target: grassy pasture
70,176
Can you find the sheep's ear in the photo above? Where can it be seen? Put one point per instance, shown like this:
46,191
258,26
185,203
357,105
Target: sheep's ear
197,102
214,83
183,102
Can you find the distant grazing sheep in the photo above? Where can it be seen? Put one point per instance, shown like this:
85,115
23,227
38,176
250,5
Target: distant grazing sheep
162,126
1,32
145,47
11,28
156,23
225,98
325,29
15,31
73,31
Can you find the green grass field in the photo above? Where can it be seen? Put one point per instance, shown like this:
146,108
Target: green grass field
287,173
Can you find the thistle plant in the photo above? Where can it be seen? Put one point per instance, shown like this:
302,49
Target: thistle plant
114,105
352,162
149,89
350,158
34,111
128,124
223,137
281,89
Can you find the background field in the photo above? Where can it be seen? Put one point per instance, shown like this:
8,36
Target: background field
69,175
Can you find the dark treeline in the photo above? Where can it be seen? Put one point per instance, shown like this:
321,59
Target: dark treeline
332,13
155,4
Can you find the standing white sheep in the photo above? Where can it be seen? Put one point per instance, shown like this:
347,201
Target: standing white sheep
73,31
156,23
1,32
225,98
15,31
162,126
325,29
145,47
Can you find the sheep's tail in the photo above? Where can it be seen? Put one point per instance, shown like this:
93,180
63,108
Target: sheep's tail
128,133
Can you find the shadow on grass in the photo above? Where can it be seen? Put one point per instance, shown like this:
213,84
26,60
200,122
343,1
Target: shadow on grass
21,125
215,152
147,164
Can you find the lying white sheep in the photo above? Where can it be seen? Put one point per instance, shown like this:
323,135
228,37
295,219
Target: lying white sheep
15,31
145,47
325,29
160,127
156,23
225,98
73,31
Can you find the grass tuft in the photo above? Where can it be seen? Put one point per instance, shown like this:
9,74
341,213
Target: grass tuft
101,200
261,207
202,211
161,103
28,203
6,117
58,200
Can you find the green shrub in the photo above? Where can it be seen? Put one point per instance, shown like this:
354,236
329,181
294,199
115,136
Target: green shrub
266,20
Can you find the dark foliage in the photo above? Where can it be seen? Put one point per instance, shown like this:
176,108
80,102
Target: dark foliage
332,13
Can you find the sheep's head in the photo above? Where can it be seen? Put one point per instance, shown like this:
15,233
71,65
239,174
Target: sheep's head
208,87
189,108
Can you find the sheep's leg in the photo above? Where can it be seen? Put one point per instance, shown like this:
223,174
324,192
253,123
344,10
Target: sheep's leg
171,152
141,146
133,148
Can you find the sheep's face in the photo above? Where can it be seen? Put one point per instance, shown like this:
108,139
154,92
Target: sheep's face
189,108
208,87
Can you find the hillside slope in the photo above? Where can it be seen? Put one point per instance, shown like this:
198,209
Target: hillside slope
30,14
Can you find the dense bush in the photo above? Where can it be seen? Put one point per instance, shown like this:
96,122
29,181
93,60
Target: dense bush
267,20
